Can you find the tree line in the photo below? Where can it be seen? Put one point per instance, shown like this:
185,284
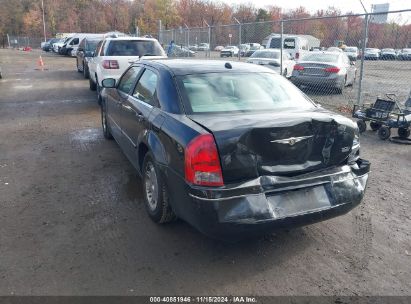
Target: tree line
24,18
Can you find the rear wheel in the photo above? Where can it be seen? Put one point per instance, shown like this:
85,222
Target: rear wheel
155,192
403,133
78,68
384,132
362,126
85,71
92,85
285,73
374,125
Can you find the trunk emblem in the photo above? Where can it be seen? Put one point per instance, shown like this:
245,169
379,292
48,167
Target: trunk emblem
291,141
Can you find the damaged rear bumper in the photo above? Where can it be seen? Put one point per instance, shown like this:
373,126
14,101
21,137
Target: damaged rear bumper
270,202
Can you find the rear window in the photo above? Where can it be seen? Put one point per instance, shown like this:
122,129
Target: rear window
275,43
134,48
91,45
321,57
242,92
265,54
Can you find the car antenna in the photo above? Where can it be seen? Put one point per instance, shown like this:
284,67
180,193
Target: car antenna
228,65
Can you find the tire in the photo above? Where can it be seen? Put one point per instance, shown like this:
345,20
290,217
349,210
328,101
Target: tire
374,125
78,70
155,192
285,73
104,122
92,85
362,126
85,72
384,132
403,133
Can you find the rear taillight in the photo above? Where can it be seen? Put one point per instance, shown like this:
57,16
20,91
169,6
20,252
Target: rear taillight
332,70
298,67
202,163
297,55
110,64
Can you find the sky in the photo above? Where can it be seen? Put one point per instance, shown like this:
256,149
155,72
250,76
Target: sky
314,5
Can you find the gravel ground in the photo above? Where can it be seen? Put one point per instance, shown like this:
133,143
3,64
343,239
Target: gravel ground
72,220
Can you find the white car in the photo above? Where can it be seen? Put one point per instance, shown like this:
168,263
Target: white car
229,51
271,59
114,55
352,52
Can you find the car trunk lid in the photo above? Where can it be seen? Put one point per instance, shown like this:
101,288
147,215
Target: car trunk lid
284,143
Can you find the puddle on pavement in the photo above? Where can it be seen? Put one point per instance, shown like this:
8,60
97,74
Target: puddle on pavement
83,139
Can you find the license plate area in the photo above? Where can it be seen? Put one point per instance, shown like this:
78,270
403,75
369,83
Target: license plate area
301,201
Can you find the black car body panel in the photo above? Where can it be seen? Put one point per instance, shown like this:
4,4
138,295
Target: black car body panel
267,180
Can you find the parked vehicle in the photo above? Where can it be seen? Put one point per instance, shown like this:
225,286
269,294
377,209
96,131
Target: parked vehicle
324,70
271,59
46,46
85,52
388,54
229,51
193,47
405,54
253,47
114,55
57,46
352,52
244,48
73,43
295,45
232,148
218,48
203,47
178,51
372,54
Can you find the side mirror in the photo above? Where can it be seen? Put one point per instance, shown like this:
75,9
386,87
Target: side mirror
109,83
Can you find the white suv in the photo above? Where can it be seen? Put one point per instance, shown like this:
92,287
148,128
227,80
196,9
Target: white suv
114,55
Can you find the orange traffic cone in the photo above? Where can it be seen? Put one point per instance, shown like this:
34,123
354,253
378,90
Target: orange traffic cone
40,64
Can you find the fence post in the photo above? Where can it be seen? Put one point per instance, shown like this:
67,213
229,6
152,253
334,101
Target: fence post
208,53
281,48
363,46
159,32
239,37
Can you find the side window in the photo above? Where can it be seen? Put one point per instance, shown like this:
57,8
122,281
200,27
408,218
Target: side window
146,88
127,81
101,44
289,43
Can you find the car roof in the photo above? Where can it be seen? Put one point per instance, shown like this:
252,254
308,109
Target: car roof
181,67
130,38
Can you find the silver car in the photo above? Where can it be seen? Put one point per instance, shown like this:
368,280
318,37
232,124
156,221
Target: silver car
324,70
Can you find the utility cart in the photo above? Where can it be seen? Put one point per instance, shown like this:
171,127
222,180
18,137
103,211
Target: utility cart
383,115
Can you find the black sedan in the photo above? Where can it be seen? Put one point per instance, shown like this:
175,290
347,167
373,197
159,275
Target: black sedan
232,148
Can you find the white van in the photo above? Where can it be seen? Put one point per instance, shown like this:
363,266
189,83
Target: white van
294,45
72,45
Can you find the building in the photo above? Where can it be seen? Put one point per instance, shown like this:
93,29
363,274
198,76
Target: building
380,8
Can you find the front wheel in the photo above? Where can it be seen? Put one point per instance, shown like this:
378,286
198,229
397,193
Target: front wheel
104,122
155,192
384,132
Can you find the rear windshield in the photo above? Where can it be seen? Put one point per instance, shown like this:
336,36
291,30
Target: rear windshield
265,54
91,45
240,92
134,48
321,57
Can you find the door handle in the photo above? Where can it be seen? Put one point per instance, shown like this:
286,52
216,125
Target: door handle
127,108
139,116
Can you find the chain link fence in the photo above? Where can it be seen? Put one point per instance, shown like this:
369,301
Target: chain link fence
16,42
375,47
